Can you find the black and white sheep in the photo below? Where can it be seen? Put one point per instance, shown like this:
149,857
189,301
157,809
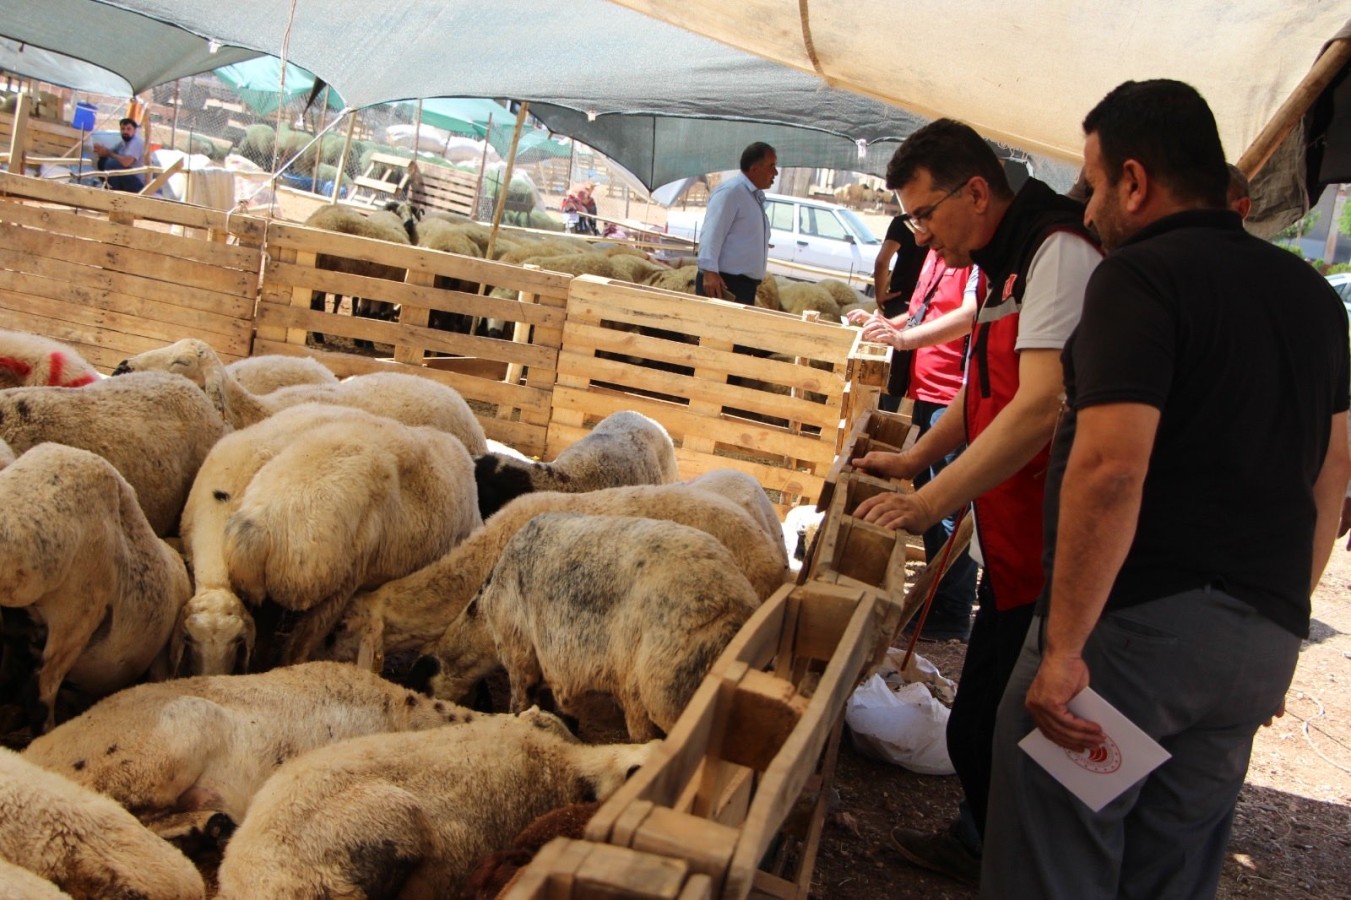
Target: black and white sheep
77,554
83,842
635,608
624,448
154,428
409,612
30,360
407,398
206,745
309,505
409,815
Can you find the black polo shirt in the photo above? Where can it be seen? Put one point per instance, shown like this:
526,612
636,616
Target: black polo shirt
905,271
1243,349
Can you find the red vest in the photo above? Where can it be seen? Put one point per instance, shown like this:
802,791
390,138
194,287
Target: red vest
1009,515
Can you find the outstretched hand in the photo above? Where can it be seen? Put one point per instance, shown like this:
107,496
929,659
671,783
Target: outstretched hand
886,464
1058,681
899,512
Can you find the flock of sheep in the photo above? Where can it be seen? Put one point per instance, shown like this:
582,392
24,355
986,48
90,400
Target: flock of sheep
400,223
277,589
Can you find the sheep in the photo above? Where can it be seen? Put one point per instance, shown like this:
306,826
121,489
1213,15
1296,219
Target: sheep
83,842
17,883
6,454
29,360
633,269
77,553
407,613
154,428
841,293
642,619
409,815
407,398
799,296
748,494
624,448
679,279
207,744
265,374
265,522
767,294
495,872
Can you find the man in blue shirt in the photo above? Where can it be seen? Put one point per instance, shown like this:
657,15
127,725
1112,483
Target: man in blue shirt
125,155
734,246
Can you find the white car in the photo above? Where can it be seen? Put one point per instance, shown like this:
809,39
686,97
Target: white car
818,239
1341,283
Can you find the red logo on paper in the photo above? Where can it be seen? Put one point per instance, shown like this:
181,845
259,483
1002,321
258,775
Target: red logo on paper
1008,286
1102,760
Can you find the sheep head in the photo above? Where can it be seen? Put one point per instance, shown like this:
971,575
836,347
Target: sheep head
189,357
460,659
214,636
501,479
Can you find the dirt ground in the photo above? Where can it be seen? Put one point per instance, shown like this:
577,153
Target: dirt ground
1292,829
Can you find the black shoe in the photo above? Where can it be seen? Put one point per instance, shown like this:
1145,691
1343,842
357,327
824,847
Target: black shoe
942,853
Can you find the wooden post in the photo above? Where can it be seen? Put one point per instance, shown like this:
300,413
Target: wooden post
482,165
417,127
323,114
506,181
342,160
173,127
1325,68
19,137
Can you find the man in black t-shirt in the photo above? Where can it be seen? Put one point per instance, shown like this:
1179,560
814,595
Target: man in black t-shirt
1197,475
892,294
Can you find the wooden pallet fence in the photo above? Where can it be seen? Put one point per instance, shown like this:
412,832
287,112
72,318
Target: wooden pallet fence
445,189
738,790
773,412
41,136
115,274
510,380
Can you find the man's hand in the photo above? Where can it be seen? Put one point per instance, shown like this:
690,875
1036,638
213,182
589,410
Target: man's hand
713,285
886,464
1280,713
100,150
1058,681
899,512
881,331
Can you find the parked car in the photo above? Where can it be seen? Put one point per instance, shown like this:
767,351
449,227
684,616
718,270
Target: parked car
1341,283
805,232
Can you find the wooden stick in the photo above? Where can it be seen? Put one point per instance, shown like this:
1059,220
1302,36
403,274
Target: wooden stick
342,159
18,137
158,181
482,167
505,185
1325,68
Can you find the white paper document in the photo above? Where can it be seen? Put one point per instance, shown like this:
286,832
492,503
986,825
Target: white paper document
1098,776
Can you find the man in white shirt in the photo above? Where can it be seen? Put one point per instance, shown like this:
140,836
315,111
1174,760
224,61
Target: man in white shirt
734,246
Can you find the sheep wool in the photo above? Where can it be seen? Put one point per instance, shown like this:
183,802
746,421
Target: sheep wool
208,744
643,621
77,552
409,815
267,373
31,360
154,428
83,842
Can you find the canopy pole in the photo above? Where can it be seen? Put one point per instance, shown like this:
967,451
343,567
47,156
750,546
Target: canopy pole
173,128
342,160
1324,69
482,166
505,184
323,112
417,128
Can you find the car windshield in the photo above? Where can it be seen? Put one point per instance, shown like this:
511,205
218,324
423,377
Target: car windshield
862,233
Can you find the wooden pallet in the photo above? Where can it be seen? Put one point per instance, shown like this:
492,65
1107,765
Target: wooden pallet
386,178
444,189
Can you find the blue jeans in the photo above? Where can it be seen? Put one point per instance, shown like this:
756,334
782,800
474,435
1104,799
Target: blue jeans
956,594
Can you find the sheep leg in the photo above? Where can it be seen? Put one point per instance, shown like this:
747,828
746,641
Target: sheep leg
636,717
311,629
69,629
525,675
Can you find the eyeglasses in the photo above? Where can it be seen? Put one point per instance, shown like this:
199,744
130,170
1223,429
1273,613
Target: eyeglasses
915,220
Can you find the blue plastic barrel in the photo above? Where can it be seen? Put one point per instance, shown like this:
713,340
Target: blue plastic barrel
84,116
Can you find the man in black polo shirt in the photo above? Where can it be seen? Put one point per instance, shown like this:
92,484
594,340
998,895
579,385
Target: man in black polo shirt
1197,471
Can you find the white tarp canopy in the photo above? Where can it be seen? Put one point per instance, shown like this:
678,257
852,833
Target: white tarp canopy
1023,72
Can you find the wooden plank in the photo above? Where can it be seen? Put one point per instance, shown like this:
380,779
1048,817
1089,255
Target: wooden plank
756,641
618,872
119,344
72,224
28,257
123,312
791,481
707,847
764,711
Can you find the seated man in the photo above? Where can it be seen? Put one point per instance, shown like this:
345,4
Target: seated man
127,154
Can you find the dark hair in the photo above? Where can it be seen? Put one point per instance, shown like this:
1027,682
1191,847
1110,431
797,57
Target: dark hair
1238,185
132,122
1168,129
953,153
754,153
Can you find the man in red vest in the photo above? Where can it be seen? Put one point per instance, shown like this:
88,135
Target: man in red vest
1036,257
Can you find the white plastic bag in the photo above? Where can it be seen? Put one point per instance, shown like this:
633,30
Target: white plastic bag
905,726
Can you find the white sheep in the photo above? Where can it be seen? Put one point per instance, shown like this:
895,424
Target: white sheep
267,373
77,553
409,815
409,612
624,448
746,492
208,744
306,507
154,428
30,360
6,455
17,883
84,842
407,398
635,608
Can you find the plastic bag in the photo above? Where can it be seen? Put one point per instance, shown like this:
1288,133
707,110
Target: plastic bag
905,726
